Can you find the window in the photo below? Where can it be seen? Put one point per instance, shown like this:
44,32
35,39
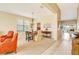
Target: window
22,25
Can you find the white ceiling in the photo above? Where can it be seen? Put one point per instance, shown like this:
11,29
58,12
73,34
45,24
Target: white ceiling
25,9
68,10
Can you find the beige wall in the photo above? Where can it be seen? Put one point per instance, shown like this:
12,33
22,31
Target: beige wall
78,18
7,22
74,21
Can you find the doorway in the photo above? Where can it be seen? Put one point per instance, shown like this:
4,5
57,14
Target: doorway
67,31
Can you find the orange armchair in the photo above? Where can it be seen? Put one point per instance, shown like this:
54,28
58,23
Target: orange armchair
9,35
9,45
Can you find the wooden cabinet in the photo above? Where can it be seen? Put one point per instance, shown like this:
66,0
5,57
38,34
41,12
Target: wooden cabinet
46,34
75,46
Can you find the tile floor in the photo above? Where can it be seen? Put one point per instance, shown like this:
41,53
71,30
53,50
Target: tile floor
59,48
34,48
45,47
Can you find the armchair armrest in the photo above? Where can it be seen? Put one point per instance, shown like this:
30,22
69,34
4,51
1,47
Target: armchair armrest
6,42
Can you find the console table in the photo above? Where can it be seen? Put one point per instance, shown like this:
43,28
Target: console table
46,34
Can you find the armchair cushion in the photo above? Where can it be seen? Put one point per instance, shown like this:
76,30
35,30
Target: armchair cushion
4,37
